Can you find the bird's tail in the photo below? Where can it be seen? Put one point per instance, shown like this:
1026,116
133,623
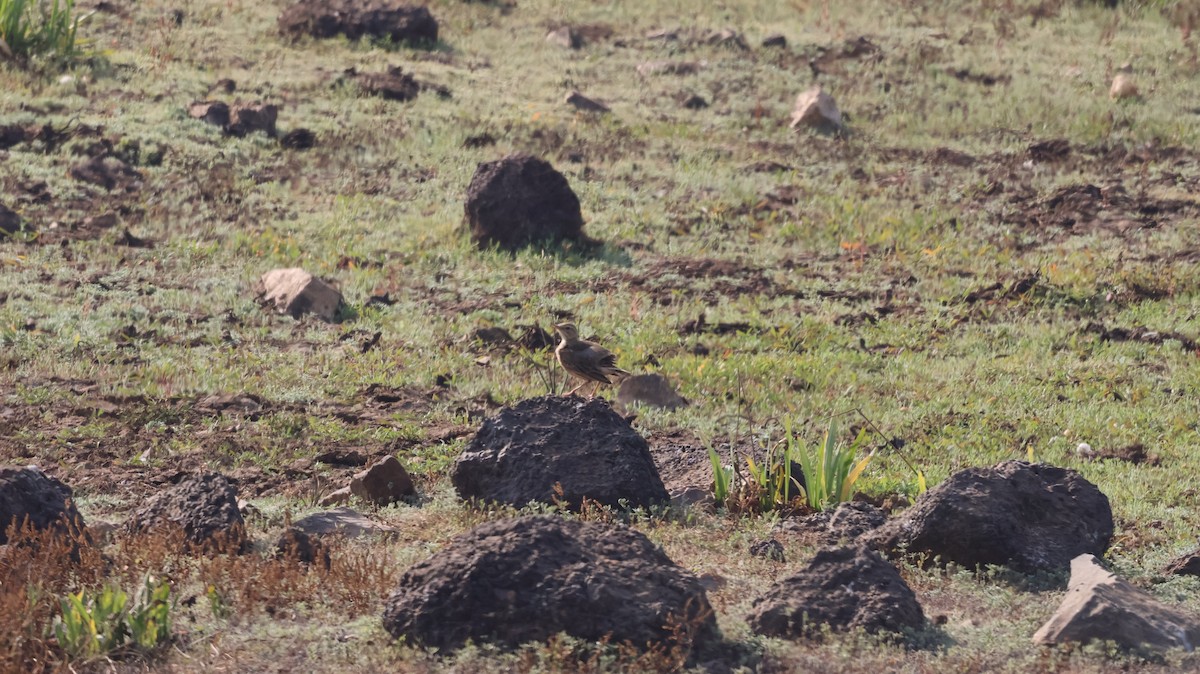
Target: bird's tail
616,375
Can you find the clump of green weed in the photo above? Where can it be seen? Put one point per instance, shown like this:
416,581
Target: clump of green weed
30,28
103,622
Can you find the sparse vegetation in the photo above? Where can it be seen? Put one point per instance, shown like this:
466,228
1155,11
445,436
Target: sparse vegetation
101,623
996,262
33,28
831,468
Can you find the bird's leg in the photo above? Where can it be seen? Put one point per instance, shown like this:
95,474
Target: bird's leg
581,385
595,390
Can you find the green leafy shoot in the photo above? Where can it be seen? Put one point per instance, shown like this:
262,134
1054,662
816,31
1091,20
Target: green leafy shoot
722,477
31,28
103,622
830,471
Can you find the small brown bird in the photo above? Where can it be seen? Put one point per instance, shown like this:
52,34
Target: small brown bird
586,360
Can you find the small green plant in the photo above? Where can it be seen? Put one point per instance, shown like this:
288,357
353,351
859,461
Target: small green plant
772,480
38,27
831,470
722,477
103,622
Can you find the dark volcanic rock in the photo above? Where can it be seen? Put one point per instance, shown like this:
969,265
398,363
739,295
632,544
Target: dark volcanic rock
846,588
10,222
520,200
521,454
1184,565
1031,517
357,18
393,84
295,543
204,506
244,119
107,172
28,497
529,578
854,519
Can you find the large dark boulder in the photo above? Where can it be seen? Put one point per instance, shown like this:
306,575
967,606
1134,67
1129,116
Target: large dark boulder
526,579
203,506
521,200
30,498
1030,517
561,449
387,19
845,588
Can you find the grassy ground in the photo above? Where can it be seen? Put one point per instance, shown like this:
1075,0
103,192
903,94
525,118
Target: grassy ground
880,271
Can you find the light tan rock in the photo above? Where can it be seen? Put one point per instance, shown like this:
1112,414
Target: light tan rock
295,291
341,521
564,37
336,497
1123,86
383,483
816,109
1099,606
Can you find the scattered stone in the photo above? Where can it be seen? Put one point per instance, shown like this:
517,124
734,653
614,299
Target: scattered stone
389,19
107,172
581,102
224,85
204,506
669,68
337,497
770,549
1123,87
853,519
774,40
128,240
1031,517
565,37
1101,607
526,579
295,291
10,222
845,588
295,544
1184,565
29,497
13,134
649,389
298,139
816,109
384,483
393,84
695,102
556,448
536,338
521,200
691,496
237,120
341,522
726,37
102,532
492,336
213,112
476,141
248,509
244,119
342,457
